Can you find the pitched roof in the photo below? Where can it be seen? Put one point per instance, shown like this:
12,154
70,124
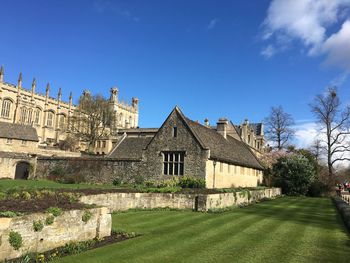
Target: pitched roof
18,131
130,148
228,150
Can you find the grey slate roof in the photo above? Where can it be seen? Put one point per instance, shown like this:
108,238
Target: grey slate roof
130,148
18,131
228,150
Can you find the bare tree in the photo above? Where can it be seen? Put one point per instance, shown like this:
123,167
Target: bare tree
316,149
92,119
334,124
279,127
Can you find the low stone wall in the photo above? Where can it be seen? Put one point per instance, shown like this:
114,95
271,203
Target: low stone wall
219,201
197,202
125,201
66,227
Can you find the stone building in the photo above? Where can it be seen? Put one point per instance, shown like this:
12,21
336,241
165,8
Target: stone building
17,145
182,147
51,116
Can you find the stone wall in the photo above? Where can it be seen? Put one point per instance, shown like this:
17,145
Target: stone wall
66,228
94,170
125,201
224,200
197,202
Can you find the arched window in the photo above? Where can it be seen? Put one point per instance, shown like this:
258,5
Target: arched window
50,118
37,116
6,108
29,118
130,122
24,115
62,122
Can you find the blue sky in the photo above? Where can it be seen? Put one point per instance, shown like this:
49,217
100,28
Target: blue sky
214,59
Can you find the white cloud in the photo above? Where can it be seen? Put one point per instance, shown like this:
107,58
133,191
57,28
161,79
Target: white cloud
305,135
337,47
212,23
268,51
309,22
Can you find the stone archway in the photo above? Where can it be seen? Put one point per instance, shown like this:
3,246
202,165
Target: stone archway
22,170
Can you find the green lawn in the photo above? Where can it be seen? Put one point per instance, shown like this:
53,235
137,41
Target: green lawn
282,230
7,184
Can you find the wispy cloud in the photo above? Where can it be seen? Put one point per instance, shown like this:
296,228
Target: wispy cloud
104,6
308,22
212,23
340,79
268,51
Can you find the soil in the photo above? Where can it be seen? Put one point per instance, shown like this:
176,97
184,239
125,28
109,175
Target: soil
39,204
135,190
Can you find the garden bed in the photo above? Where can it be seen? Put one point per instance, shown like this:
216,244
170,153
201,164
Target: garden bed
74,248
39,201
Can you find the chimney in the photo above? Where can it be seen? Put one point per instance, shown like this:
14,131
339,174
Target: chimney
206,122
221,127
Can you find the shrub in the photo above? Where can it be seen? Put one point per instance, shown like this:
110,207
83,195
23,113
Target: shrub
2,196
49,220
26,195
86,216
77,247
318,188
117,181
139,180
55,211
38,226
15,240
190,182
8,214
294,174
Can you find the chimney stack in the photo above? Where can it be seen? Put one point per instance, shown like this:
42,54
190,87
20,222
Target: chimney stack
222,127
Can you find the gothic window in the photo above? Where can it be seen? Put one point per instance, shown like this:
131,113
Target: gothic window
221,167
173,163
24,115
30,113
62,122
130,122
49,121
6,108
103,144
37,116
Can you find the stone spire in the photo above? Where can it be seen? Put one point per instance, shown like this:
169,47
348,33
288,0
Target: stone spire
59,96
47,93
19,85
70,98
2,74
33,88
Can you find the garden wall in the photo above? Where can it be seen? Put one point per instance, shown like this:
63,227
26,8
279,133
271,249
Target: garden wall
66,227
197,202
90,169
